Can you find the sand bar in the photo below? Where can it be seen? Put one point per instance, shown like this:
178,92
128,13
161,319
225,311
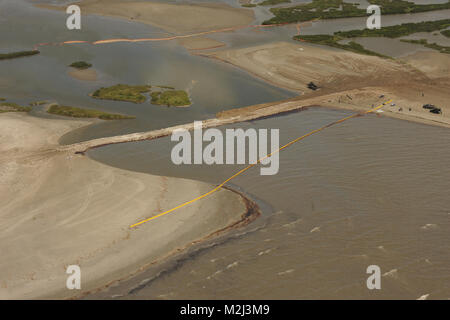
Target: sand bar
83,74
59,209
174,18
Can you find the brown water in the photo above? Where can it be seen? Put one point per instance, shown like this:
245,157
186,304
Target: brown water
372,190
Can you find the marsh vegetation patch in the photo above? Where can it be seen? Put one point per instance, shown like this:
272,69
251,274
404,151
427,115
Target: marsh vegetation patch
75,112
176,98
123,92
335,9
160,94
18,54
81,65
392,32
12,107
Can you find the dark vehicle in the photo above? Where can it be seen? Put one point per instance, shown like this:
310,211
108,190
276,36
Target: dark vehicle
428,106
436,110
312,86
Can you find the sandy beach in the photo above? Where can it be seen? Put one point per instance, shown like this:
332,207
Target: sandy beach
351,81
59,209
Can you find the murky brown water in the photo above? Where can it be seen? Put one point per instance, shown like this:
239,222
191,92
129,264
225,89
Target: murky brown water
370,191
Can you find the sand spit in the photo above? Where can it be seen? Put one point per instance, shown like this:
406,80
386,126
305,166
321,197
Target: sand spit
174,18
59,209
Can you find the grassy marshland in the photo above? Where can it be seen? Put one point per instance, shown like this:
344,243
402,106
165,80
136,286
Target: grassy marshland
19,54
123,92
389,32
334,9
396,31
166,96
273,2
12,107
85,113
435,46
81,65
169,98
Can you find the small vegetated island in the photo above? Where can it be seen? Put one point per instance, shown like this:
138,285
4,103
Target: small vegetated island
62,111
273,2
160,95
81,65
19,54
248,4
335,9
75,112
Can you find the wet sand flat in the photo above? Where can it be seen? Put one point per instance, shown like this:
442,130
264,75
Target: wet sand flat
83,75
175,18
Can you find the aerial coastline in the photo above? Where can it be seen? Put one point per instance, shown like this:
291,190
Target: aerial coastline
68,200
